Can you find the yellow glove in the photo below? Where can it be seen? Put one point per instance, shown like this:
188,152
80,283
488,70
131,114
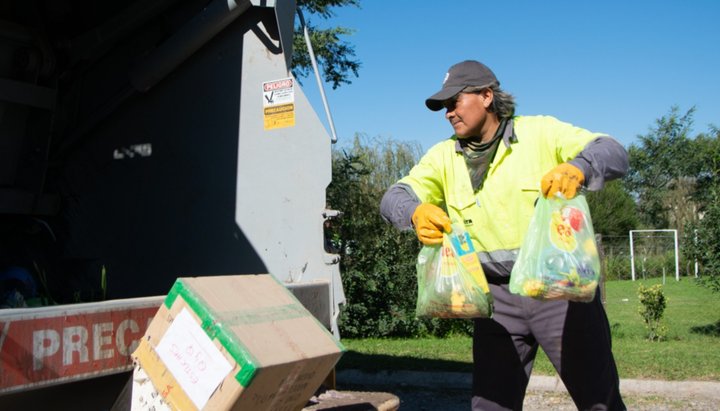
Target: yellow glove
430,221
565,179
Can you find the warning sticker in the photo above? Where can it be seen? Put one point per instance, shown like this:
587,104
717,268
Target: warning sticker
279,103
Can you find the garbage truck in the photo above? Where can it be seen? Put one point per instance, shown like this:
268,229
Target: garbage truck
140,142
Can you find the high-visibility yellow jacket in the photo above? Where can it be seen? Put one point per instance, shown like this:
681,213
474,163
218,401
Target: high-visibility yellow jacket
497,215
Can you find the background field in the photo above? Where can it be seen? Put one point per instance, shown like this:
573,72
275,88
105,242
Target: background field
690,352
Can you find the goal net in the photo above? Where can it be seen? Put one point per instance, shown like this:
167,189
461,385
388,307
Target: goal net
654,253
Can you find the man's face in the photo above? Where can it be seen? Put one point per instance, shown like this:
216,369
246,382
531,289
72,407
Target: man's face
468,113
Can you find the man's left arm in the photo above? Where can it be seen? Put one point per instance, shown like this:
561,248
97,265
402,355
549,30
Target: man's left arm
603,159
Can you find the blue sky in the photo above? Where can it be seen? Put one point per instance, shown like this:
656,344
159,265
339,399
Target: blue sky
608,66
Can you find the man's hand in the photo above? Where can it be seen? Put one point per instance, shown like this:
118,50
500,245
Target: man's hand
565,179
430,221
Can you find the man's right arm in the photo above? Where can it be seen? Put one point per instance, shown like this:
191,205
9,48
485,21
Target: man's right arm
398,205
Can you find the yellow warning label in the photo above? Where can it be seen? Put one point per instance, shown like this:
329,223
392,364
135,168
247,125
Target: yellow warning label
279,116
279,103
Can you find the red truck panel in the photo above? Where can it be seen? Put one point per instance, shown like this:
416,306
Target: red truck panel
53,345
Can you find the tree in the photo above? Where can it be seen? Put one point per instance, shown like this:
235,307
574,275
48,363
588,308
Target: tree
706,162
702,237
613,210
661,175
377,261
703,243
333,54
676,182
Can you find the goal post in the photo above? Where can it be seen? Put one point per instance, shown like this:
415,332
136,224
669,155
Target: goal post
677,254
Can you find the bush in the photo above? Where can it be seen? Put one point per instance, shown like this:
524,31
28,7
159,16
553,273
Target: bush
652,309
702,243
617,267
443,327
377,261
379,281
662,263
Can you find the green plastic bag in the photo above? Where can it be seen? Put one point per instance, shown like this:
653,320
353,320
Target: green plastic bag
451,282
558,259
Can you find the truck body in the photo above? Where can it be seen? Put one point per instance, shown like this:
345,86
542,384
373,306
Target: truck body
140,142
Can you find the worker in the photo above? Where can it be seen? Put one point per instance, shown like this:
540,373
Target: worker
487,177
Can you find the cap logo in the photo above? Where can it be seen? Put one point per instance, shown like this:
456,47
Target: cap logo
446,77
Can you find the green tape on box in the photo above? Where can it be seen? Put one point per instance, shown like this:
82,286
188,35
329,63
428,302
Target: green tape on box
248,363
264,315
337,342
254,316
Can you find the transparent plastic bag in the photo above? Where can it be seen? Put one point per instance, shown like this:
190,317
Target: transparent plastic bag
558,259
451,282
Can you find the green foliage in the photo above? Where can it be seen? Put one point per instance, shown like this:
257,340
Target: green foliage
377,262
652,308
702,243
617,267
669,170
103,282
323,7
704,165
675,180
655,265
334,56
657,162
702,238
442,327
613,210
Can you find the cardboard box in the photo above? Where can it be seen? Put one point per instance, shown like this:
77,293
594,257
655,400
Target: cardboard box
235,342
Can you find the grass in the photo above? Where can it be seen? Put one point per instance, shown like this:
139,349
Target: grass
690,352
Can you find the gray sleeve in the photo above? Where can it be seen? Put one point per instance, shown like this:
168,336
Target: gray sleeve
398,205
601,160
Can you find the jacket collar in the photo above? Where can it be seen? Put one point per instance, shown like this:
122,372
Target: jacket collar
508,135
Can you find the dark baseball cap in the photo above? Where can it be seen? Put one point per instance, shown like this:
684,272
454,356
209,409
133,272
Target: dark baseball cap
468,73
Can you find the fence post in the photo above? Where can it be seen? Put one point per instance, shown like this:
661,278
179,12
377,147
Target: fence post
603,266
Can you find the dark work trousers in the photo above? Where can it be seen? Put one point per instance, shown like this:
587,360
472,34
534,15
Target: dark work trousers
575,336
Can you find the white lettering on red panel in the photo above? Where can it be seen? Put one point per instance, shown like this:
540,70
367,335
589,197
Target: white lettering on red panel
36,351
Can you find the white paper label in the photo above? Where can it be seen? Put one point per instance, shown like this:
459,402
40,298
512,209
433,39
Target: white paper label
278,92
192,358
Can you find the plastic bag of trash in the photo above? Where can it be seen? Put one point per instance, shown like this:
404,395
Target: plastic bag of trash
558,259
451,282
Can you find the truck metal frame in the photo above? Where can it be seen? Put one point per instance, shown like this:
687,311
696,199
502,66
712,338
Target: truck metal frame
143,142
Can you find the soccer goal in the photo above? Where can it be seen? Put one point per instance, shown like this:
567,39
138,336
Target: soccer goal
650,248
